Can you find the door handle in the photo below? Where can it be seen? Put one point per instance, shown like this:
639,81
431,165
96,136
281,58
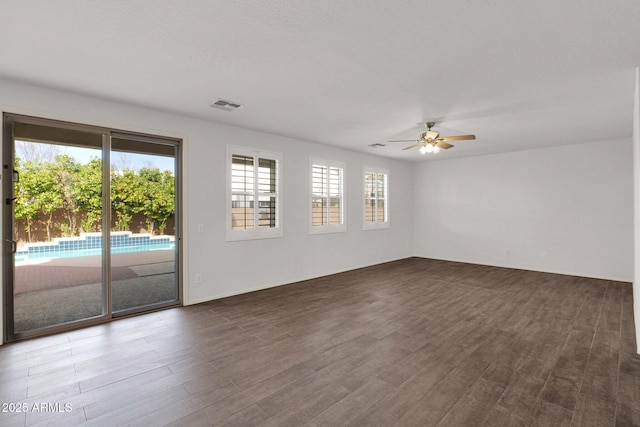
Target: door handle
10,200
14,246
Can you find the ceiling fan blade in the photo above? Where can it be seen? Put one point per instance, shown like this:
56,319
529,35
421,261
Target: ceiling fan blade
444,145
402,140
457,138
411,146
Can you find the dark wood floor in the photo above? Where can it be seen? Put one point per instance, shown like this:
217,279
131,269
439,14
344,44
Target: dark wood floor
412,343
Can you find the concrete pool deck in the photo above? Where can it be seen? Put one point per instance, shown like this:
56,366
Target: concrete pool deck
66,289
56,273
117,260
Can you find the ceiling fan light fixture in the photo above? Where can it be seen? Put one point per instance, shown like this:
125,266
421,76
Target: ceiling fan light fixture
431,141
431,134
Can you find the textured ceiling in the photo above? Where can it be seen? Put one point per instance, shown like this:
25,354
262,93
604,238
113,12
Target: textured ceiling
518,74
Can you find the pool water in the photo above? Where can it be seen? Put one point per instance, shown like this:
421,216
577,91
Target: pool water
21,256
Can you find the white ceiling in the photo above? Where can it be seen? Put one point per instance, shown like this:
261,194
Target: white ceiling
518,74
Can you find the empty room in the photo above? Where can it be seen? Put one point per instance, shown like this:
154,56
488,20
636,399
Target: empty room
305,213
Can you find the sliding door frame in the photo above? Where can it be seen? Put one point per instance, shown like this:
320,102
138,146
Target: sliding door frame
7,229
177,143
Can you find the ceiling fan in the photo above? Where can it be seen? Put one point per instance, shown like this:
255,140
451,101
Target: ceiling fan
431,142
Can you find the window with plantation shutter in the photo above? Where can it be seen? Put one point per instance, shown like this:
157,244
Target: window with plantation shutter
253,209
376,199
327,196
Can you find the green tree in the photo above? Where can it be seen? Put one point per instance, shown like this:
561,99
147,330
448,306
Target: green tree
66,170
37,194
127,197
87,192
159,198
74,190
24,205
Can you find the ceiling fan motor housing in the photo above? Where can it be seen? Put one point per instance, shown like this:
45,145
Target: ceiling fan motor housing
430,135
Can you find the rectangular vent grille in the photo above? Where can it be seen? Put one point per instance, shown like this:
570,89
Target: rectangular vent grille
223,104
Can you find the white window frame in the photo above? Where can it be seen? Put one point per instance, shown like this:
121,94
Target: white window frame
255,232
377,225
328,228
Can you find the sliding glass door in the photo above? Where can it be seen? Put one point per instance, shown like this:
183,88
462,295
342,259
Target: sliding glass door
56,281
90,225
143,198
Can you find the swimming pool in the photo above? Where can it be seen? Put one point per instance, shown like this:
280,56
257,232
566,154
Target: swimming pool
90,244
26,256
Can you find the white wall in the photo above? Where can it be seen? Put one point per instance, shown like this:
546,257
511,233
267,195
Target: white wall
235,267
636,213
298,255
572,202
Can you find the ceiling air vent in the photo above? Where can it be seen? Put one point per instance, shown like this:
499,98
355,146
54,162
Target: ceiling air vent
377,144
223,104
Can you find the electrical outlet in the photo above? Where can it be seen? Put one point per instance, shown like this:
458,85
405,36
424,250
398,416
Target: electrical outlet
545,254
198,278
200,228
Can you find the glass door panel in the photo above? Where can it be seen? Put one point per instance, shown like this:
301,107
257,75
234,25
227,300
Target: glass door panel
90,225
143,223
56,247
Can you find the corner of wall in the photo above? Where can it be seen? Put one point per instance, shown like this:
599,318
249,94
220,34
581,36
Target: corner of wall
3,313
417,169
636,204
